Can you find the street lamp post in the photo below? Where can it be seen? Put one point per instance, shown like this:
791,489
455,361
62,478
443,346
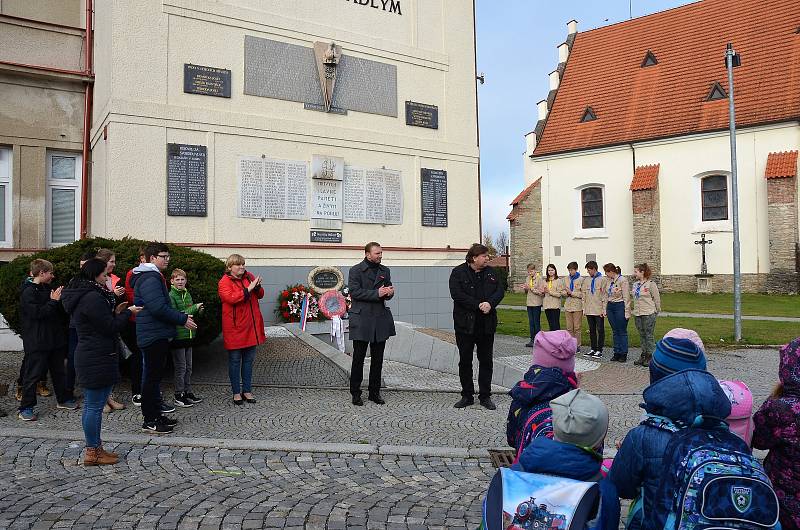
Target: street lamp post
732,60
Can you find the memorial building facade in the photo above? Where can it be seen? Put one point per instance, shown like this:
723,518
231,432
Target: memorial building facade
292,133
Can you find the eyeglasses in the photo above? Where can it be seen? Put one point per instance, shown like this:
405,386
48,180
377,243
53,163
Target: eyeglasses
164,256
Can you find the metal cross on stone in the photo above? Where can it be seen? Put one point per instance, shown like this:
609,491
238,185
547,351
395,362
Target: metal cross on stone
703,242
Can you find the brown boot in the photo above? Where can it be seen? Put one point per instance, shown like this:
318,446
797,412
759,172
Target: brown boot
42,390
115,405
644,360
109,453
96,457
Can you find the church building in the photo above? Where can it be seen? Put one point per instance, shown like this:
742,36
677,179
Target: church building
629,161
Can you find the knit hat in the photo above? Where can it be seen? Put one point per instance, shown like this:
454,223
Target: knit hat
681,333
673,355
741,418
555,349
579,418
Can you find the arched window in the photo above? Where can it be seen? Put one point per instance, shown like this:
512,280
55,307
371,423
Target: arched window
592,207
714,192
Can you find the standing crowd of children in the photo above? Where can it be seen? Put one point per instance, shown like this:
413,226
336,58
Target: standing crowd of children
596,296
687,464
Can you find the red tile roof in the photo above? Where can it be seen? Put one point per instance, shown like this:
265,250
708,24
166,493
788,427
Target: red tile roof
668,99
781,165
521,197
645,178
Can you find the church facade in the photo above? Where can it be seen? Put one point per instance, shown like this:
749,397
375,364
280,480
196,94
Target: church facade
630,159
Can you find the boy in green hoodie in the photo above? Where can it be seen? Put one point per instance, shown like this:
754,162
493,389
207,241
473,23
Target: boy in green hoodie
181,346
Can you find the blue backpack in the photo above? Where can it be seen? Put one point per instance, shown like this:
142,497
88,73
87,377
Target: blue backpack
538,422
712,481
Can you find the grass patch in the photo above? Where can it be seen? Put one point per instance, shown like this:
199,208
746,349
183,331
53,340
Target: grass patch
774,305
714,331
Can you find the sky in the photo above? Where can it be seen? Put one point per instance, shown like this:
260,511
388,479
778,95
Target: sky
516,45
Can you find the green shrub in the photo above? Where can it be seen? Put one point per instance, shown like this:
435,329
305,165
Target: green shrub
502,275
203,272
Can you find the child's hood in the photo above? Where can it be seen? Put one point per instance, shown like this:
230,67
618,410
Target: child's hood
542,384
789,371
685,395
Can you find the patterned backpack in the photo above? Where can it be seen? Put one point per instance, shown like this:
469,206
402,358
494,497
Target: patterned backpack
538,422
712,481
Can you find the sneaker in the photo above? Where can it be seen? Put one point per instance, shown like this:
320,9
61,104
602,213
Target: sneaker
529,344
27,415
167,409
596,355
182,401
42,390
69,404
589,353
169,422
194,399
136,399
155,427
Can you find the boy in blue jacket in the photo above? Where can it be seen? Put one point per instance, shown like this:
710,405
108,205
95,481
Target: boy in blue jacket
580,424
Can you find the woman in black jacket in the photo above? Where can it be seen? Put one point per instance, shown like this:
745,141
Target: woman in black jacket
98,322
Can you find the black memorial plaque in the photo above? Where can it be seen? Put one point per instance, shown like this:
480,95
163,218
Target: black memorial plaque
422,115
325,280
206,81
326,236
434,197
186,180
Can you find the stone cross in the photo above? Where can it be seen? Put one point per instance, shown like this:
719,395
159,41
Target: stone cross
703,242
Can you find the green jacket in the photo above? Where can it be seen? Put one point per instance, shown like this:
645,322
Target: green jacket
182,301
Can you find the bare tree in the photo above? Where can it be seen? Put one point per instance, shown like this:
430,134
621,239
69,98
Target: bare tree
488,242
501,242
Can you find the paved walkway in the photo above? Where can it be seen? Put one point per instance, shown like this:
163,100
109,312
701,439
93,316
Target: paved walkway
691,315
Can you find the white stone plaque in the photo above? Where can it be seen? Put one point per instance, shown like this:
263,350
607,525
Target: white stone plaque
373,196
326,199
272,189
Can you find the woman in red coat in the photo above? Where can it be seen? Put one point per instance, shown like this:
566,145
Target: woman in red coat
242,325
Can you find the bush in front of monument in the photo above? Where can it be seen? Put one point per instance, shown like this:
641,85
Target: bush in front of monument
203,272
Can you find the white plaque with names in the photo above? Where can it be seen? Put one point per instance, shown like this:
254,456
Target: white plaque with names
373,195
271,188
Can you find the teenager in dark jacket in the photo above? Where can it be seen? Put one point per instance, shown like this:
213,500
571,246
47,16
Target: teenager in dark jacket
476,292
680,390
98,321
155,328
44,338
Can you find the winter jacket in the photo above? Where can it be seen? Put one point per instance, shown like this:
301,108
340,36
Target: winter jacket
464,290
92,311
776,429
242,323
680,397
550,457
181,300
157,319
44,323
370,318
538,386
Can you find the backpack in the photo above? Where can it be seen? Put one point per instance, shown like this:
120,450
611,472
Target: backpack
532,501
538,422
712,481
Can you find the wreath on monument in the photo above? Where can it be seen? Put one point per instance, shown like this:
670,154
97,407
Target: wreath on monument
290,303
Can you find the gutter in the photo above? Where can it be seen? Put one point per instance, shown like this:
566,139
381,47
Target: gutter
87,118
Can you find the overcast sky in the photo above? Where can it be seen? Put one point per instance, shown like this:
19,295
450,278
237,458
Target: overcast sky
517,42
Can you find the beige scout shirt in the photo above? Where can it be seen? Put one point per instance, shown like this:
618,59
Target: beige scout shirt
534,286
646,299
554,291
574,301
594,304
619,290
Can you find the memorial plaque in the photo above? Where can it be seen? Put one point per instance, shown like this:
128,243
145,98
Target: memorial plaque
271,188
206,81
326,236
422,115
373,195
434,197
324,279
186,180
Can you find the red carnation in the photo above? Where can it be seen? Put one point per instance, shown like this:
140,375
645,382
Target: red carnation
285,314
284,304
285,294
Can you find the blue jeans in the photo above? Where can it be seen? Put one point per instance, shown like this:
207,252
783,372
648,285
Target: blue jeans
240,369
93,401
619,324
534,320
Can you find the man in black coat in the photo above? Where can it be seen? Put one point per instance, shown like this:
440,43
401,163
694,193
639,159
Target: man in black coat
476,292
371,321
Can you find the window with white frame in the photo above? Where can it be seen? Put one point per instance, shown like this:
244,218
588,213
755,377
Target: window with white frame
6,239
714,198
592,207
63,197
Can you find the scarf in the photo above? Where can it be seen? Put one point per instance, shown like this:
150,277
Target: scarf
549,284
638,290
572,280
532,281
596,275
611,285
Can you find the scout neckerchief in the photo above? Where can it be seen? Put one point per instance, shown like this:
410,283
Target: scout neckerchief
596,275
637,293
549,283
572,280
532,281
611,285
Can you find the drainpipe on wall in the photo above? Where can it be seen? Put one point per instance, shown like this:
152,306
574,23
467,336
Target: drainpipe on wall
87,119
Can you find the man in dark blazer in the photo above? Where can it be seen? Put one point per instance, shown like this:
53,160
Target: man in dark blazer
476,292
371,321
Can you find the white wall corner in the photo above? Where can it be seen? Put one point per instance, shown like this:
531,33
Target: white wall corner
530,143
572,27
542,108
555,80
563,52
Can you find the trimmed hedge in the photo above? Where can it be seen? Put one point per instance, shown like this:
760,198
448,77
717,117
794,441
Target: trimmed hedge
203,273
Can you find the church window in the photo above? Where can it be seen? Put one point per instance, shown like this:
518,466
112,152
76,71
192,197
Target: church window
592,207
716,92
714,191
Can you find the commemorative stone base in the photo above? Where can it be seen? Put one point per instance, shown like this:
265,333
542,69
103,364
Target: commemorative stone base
705,283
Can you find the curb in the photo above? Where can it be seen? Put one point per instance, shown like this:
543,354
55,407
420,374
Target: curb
260,445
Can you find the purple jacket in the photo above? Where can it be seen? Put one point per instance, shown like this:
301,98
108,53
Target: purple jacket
776,429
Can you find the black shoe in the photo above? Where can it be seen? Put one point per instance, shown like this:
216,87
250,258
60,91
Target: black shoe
167,409
3,413
239,401
194,399
377,398
249,399
529,344
622,358
357,401
170,422
487,403
182,401
464,402
154,427
641,362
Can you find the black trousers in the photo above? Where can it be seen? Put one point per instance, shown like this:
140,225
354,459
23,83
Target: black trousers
597,332
375,366
553,319
155,358
484,343
37,363
128,336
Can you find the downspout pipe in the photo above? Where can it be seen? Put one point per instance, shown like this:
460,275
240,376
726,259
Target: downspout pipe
87,119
